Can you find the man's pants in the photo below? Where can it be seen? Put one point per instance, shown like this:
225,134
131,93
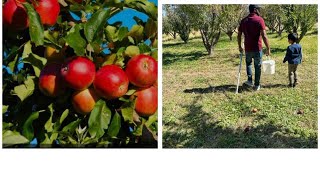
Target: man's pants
293,75
257,56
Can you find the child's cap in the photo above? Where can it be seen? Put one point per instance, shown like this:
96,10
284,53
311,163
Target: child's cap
293,37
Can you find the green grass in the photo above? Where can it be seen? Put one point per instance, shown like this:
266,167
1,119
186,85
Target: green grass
201,109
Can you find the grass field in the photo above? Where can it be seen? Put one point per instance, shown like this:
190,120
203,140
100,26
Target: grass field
201,109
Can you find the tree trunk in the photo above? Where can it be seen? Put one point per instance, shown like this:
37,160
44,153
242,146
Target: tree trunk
210,51
229,33
174,35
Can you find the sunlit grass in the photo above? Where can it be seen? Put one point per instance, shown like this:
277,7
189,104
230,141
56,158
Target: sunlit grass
201,109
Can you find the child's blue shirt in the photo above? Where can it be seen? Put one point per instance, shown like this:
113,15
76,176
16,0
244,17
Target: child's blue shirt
294,54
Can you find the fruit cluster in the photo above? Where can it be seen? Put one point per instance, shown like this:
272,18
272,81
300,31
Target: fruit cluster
15,15
75,77
109,82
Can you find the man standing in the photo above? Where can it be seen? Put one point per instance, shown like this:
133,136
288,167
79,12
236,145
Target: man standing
253,28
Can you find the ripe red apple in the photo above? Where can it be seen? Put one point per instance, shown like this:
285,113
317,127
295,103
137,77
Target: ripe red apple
142,70
50,81
15,15
111,82
83,101
48,11
78,72
146,101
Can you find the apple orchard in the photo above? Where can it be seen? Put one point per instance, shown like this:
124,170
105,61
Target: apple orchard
83,82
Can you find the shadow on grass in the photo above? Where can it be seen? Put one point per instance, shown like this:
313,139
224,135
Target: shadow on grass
201,130
229,88
269,86
169,58
212,89
173,44
217,89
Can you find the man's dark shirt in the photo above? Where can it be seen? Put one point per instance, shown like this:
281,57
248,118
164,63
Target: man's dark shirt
251,27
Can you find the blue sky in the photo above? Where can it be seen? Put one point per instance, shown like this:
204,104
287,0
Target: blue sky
125,16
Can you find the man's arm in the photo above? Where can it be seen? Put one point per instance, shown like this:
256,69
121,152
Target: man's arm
239,40
266,41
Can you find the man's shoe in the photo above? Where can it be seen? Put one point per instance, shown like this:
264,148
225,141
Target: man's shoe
257,88
248,83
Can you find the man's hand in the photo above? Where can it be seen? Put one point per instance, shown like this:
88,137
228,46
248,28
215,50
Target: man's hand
284,61
268,52
241,49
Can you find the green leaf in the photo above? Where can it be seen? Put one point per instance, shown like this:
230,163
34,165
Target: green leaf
13,63
37,63
57,124
63,3
127,111
144,48
120,58
136,32
64,115
99,119
139,128
28,130
13,137
35,26
96,24
49,38
4,108
132,51
152,119
71,126
49,125
122,33
111,33
144,6
151,28
76,41
13,52
130,92
25,90
27,50
6,125
131,40
49,140
115,125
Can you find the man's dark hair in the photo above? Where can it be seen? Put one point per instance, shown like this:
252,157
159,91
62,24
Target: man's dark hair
293,37
252,7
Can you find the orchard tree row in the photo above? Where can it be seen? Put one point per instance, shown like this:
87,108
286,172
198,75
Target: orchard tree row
213,20
73,79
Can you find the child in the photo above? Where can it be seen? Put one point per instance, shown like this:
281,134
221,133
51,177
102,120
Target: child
294,57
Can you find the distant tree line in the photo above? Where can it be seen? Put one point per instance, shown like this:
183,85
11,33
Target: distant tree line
211,20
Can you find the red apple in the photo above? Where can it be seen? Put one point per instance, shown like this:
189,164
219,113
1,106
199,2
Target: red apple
48,11
50,81
78,72
142,70
83,101
146,101
111,82
15,15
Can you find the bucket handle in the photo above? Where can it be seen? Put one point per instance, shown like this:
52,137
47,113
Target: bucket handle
268,57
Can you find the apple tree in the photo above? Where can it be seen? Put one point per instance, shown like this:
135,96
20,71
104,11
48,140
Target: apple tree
53,52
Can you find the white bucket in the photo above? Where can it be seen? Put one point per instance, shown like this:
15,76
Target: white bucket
268,67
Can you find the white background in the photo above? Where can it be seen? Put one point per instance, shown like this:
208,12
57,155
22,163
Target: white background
234,164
